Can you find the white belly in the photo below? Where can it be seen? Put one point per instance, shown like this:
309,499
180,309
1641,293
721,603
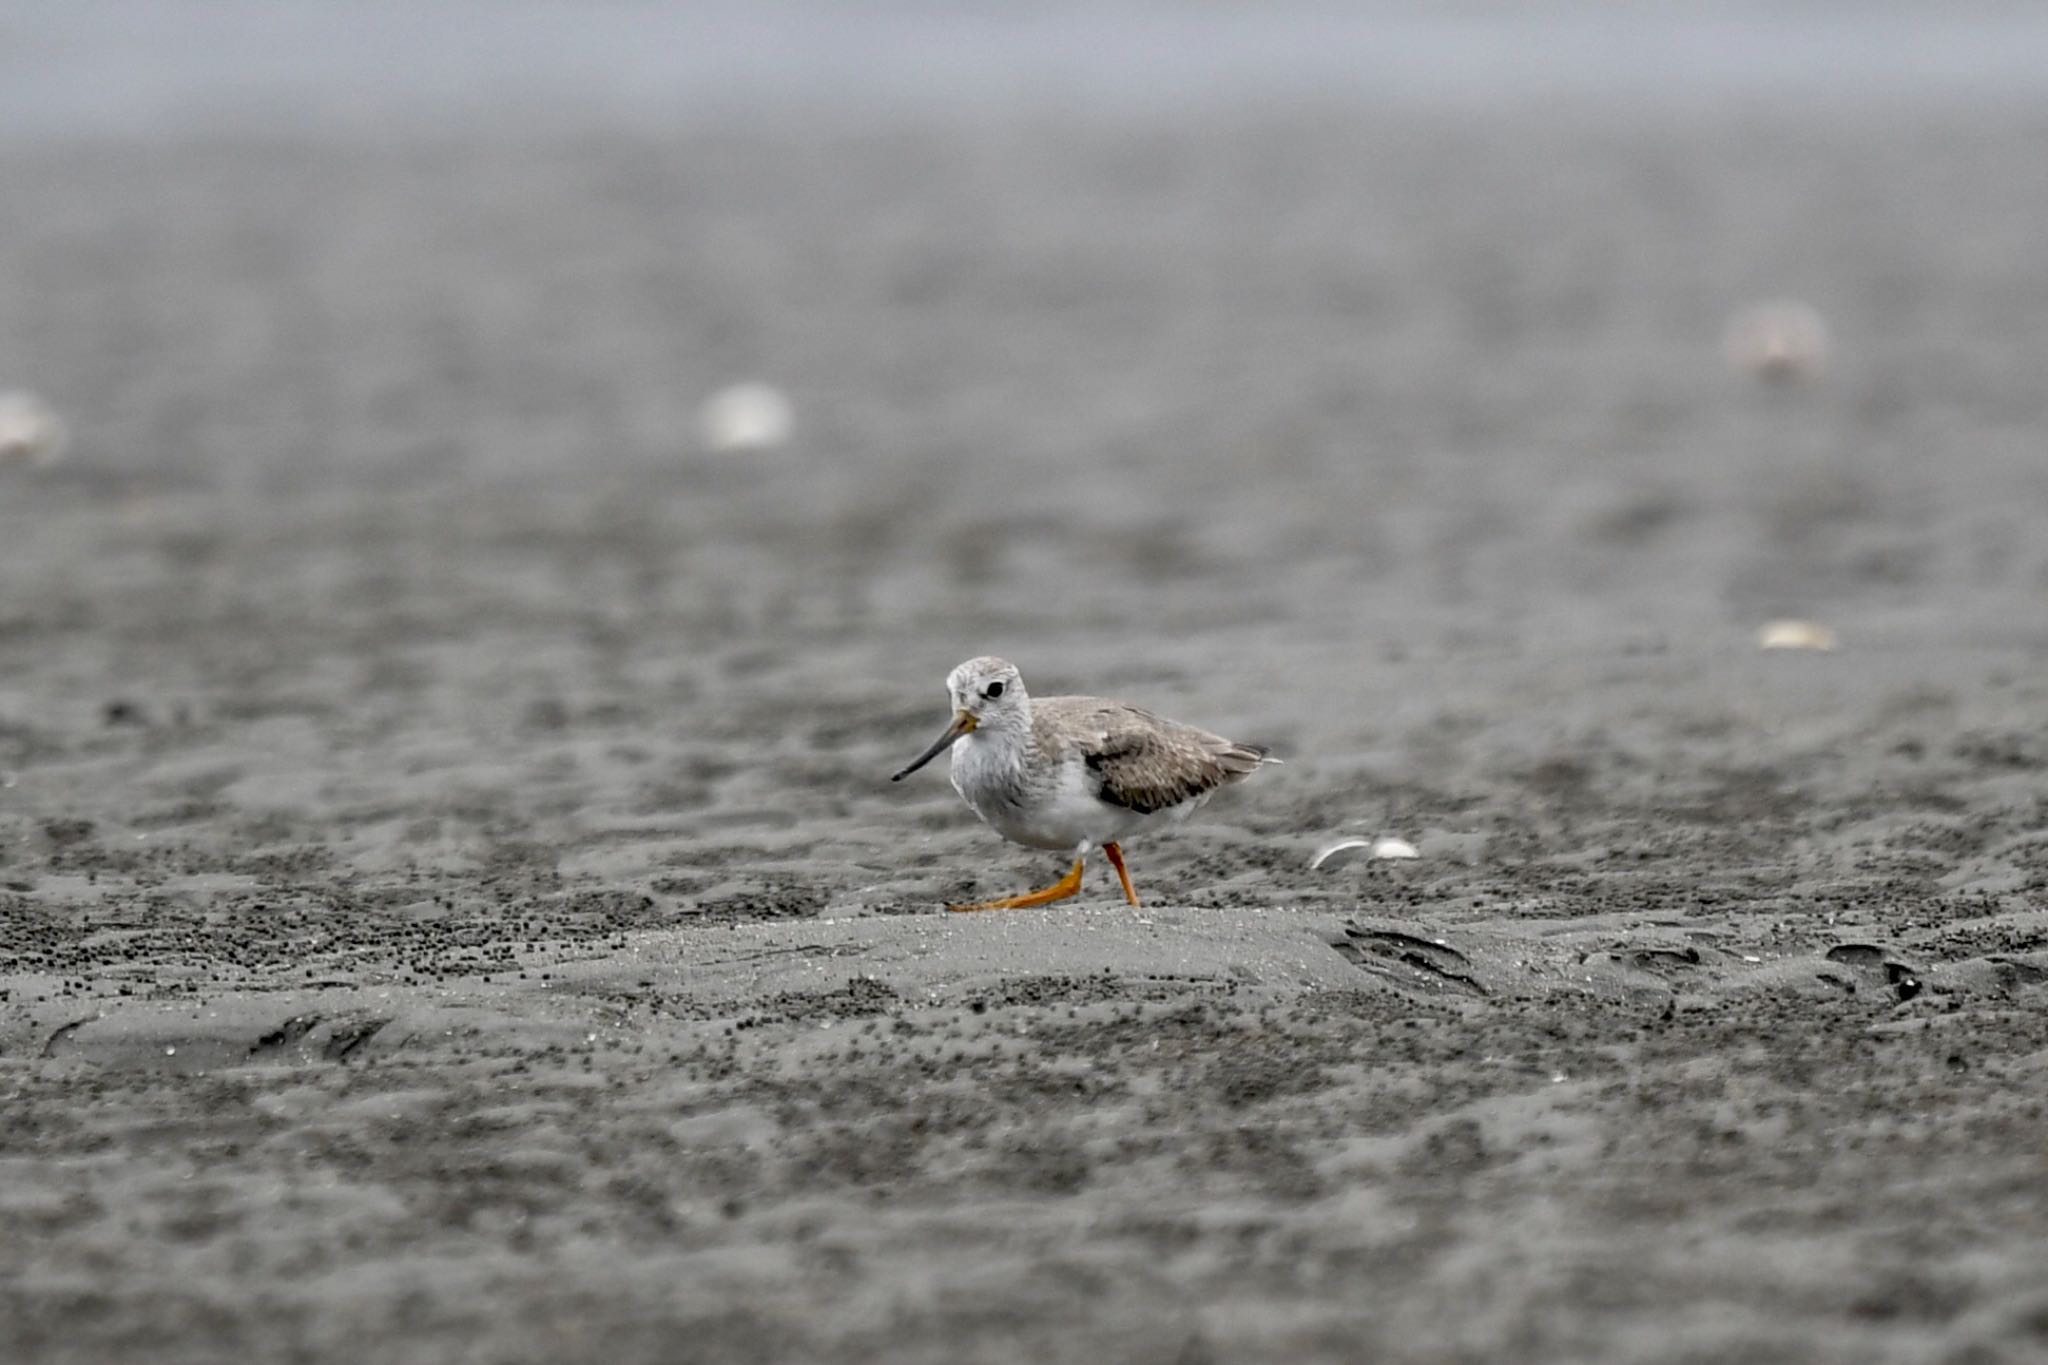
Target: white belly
1061,813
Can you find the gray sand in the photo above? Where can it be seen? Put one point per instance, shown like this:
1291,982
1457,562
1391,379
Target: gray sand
451,902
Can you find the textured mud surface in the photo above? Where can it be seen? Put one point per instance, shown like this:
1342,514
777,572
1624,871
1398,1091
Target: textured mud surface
451,902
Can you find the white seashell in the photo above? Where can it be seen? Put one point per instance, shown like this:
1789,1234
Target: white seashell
31,431
1378,848
1780,341
1795,635
746,417
1329,851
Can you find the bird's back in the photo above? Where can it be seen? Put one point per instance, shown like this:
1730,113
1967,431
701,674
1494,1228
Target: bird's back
1141,761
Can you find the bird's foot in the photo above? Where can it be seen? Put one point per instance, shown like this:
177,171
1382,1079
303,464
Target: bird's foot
1066,886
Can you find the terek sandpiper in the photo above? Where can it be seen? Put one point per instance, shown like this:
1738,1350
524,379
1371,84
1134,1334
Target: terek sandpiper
1074,773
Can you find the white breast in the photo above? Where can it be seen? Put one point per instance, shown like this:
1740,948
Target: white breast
1037,808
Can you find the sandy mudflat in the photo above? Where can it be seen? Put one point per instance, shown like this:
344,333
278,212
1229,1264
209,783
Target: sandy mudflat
451,903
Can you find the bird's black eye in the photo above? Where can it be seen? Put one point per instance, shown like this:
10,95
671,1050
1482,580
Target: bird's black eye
992,691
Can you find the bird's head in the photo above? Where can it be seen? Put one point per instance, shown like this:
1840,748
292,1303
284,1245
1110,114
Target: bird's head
987,693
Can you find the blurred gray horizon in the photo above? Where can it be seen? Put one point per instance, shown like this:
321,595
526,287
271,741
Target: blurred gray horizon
98,68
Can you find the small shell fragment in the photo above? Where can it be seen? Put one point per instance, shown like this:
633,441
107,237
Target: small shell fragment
1795,635
31,431
1341,852
1342,846
746,417
1779,341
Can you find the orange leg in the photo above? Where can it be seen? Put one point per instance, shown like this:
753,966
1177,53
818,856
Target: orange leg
1066,886
1116,860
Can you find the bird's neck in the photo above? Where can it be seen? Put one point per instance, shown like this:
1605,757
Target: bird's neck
1008,733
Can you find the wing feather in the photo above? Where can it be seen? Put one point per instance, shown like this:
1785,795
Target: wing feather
1141,761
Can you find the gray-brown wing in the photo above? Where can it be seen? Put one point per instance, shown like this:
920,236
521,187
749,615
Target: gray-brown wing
1143,762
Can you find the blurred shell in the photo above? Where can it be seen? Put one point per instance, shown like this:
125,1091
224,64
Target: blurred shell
1779,341
1341,852
1795,635
31,431
746,417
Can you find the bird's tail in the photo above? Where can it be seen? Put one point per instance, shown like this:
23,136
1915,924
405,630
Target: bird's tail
1242,760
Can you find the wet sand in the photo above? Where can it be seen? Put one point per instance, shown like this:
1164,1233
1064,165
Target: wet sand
452,905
